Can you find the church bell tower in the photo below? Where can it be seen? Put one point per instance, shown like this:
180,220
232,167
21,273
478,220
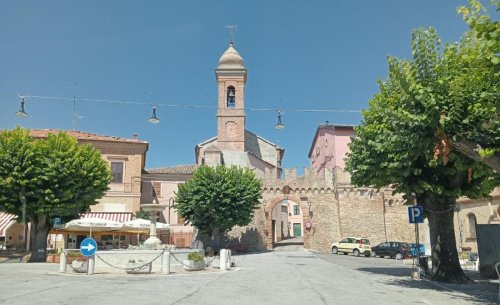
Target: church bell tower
231,76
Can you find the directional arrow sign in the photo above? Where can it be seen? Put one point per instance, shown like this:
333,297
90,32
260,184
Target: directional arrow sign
88,247
416,214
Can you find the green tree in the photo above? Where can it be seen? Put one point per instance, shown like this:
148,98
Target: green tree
41,179
405,138
217,199
142,214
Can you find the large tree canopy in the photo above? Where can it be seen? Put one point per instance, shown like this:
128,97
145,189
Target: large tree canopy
41,179
427,103
217,199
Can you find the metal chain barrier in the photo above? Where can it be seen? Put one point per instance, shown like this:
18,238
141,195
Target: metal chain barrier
182,263
128,268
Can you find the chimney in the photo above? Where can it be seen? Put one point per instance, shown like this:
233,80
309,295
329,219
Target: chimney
136,136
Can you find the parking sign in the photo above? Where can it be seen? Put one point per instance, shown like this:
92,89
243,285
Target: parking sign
416,214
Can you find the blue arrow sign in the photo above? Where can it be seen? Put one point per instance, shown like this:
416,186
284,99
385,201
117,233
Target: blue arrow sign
88,247
416,214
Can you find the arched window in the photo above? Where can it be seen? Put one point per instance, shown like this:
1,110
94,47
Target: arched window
231,97
471,219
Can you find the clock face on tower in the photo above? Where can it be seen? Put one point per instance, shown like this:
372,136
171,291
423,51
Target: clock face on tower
231,131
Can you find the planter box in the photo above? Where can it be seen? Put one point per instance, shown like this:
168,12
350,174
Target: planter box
139,268
53,258
193,266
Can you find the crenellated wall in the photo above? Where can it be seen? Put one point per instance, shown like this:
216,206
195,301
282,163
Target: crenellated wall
334,207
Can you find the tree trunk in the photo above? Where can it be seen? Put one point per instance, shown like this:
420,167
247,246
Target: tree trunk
39,233
445,264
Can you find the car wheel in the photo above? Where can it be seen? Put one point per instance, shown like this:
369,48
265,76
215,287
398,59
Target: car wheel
399,256
335,250
355,252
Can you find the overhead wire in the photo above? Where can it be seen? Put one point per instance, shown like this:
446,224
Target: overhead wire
184,105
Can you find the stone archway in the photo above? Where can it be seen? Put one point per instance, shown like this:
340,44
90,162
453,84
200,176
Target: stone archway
270,205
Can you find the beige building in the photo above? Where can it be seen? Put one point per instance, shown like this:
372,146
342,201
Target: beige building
159,186
471,212
126,158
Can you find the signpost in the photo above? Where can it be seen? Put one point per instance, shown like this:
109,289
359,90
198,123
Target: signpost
416,216
88,248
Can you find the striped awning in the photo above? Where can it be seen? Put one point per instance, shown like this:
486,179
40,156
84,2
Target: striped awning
114,216
6,220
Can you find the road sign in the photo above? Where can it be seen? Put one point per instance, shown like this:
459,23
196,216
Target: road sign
416,214
57,222
88,247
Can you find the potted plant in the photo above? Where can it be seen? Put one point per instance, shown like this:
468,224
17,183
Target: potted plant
194,261
138,267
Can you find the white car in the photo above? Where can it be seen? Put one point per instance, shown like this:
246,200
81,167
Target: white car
354,245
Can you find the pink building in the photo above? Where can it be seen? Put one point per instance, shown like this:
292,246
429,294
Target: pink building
329,146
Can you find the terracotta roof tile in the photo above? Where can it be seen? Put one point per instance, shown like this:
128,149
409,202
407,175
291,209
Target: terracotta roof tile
80,135
178,169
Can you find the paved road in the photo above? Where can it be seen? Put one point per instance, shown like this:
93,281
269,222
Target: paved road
289,275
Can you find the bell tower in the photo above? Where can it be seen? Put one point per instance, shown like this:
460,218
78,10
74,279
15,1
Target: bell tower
231,76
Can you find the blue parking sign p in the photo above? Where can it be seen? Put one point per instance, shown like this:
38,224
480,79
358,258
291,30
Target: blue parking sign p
416,214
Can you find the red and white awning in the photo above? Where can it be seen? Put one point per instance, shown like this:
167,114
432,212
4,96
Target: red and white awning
6,220
114,216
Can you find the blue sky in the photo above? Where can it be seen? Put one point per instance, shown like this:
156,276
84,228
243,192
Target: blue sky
299,55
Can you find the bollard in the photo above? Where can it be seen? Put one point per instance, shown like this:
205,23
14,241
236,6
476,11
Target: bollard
223,259
62,262
229,259
165,263
91,264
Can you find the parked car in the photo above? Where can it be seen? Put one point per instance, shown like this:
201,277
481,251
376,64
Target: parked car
354,245
393,249
413,249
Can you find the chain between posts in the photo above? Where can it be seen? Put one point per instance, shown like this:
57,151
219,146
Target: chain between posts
207,264
128,268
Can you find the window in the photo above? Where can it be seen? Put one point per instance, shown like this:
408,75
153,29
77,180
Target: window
296,209
472,225
117,172
231,101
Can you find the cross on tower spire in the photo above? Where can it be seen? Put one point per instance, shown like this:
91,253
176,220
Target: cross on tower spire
231,28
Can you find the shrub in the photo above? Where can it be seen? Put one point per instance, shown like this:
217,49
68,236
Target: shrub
195,256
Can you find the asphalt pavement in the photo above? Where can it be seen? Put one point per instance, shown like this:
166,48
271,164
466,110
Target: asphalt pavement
288,275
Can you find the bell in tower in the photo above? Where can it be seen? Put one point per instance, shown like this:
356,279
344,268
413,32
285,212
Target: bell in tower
230,97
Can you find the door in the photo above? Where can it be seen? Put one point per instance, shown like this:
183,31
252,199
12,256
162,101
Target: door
297,229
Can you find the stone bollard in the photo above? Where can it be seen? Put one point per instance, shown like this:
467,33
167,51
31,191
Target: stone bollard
165,263
91,264
223,259
62,262
229,260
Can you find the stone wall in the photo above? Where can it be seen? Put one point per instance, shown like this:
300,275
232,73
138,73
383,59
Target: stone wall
335,212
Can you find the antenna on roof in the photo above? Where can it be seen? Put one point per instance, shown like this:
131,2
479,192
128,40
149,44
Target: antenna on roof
231,28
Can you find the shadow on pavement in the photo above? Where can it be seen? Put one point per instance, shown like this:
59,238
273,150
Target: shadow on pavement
480,291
